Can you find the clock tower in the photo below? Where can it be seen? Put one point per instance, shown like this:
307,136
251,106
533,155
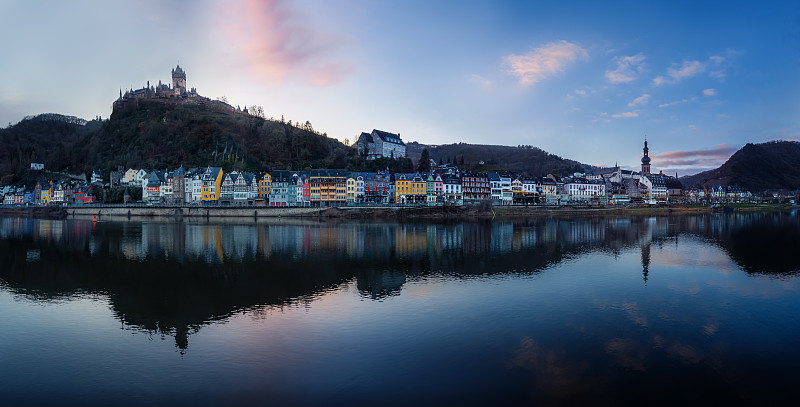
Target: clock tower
646,160
179,81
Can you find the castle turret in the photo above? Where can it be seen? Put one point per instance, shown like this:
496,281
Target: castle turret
178,80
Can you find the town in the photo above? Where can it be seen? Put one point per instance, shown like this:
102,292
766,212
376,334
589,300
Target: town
444,184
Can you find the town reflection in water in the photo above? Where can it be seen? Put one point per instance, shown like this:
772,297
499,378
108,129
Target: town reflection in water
174,277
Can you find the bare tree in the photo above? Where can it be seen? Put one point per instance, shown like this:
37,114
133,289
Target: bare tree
256,111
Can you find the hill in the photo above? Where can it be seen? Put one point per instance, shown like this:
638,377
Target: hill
527,160
52,138
756,167
164,134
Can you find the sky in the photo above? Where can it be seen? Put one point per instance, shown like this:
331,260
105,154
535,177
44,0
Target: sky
585,80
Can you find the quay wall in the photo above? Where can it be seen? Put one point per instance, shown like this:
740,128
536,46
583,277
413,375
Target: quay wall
193,212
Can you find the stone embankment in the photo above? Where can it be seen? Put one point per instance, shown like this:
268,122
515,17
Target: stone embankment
108,212
100,212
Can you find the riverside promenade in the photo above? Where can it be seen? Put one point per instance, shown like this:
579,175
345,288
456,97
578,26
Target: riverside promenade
139,212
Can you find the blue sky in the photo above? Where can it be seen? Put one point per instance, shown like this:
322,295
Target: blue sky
584,80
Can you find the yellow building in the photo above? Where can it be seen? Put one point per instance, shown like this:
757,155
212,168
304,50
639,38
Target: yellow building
265,186
212,180
351,190
409,188
44,195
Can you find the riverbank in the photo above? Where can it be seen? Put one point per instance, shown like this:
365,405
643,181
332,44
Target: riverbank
482,212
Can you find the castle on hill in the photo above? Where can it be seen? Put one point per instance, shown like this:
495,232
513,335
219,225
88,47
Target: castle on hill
176,92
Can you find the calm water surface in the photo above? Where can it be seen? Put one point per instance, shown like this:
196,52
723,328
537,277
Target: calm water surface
672,310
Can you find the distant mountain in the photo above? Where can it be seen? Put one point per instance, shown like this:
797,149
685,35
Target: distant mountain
164,134
522,159
756,167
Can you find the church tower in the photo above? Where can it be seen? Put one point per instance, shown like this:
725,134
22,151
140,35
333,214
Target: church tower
179,81
646,160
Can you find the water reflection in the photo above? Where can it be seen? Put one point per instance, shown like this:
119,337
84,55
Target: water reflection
174,277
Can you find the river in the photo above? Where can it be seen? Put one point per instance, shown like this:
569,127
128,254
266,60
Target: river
652,310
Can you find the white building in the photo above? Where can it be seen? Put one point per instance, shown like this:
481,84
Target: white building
506,194
581,190
381,144
656,187
452,190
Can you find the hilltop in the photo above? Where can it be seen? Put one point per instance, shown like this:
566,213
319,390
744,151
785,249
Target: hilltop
165,134
755,167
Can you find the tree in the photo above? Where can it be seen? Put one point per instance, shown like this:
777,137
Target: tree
424,161
462,160
256,111
448,160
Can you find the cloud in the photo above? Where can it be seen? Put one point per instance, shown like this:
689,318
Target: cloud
709,92
580,92
601,118
687,69
640,100
694,160
625,114
276,44
693,127
482,82
718,75
544,61
677,102
677,73
628,69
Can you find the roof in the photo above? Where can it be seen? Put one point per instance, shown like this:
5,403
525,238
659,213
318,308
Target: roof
282,176
329,173
388,137
452,179
673,183
657,180
366,137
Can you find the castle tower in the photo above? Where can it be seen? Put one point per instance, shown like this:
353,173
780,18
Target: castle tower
179,81
646,160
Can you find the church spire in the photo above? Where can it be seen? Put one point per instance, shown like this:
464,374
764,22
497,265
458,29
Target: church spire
646,159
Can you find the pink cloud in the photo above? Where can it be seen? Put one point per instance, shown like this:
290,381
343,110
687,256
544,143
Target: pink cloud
544,61
693,160
329,74
640,100
720,151
276,45
625,114
687,69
